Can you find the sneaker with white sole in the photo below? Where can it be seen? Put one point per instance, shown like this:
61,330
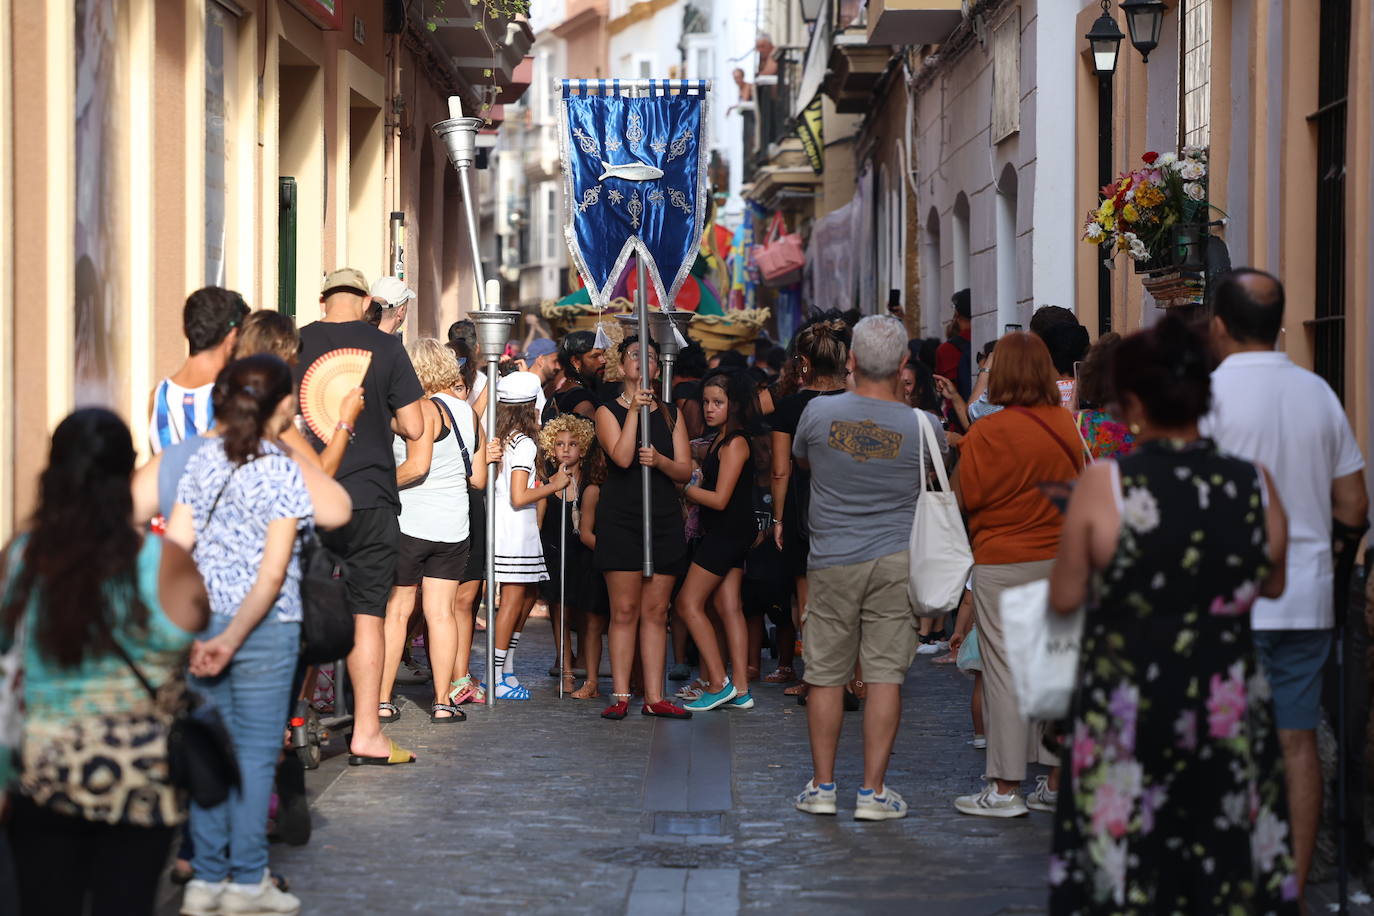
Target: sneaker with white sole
262,899
991,803
979,742
201,898
816,799
875,805
741,701
709,700
1041,798
932,648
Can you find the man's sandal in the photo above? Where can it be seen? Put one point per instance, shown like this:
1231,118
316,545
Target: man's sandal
392,709
397,756
454,713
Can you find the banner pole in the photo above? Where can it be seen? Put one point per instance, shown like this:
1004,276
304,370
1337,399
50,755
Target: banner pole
459,136
645,441
562,586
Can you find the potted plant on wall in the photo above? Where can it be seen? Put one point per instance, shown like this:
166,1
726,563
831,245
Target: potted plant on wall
1159,216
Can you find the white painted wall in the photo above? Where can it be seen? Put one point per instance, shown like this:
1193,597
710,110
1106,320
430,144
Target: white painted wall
648,48
955,155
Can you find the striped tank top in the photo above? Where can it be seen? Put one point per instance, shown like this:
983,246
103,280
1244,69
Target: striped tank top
179,412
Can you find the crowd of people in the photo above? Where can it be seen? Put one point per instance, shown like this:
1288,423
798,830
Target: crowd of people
1183,484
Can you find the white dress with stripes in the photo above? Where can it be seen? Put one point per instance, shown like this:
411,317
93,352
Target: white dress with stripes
519,552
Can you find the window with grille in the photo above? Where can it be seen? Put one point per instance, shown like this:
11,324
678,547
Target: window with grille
1195,84
1328,327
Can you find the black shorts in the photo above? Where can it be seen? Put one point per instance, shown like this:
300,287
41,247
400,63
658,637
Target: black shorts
421,559
368,544
476,568
719,551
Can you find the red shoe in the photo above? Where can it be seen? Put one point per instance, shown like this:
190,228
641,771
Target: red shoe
616,711
665,710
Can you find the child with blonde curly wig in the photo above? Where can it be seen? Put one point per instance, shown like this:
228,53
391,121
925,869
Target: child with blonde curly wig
569,443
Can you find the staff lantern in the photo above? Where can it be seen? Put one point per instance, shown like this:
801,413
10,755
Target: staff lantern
494,325
634,156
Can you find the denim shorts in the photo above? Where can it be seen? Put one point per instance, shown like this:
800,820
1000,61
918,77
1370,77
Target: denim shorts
1293,661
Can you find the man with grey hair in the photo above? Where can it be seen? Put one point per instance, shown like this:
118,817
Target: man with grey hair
865,452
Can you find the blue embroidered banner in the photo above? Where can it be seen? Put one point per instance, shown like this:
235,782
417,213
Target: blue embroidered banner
634,169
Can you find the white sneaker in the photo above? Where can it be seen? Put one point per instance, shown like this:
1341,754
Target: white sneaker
883,805
1042,799
262,899
928,648
979,742
990,803
201,898
816,800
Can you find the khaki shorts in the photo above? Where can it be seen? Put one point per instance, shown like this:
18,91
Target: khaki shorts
859,613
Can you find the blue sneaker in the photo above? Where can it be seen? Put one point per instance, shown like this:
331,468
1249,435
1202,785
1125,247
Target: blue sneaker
742,701
709,700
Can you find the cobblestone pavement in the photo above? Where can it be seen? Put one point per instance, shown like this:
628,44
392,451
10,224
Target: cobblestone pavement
543,808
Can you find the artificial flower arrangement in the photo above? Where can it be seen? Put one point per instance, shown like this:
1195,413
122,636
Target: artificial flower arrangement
1138,211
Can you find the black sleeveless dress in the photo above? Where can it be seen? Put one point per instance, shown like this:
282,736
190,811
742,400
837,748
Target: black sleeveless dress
584,589
727,534
619,523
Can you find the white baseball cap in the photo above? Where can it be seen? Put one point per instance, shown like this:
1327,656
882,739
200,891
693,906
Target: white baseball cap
392,290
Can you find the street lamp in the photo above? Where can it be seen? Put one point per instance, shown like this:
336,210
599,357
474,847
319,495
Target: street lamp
811,10
1105,41
1144,18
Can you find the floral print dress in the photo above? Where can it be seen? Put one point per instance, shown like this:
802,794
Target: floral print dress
1172,794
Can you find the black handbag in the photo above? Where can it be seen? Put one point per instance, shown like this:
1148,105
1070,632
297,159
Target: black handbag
200,753
326,621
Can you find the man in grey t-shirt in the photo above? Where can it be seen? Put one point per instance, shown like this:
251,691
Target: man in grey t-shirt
864,449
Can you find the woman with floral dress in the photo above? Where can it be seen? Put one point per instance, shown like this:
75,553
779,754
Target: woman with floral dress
1172,794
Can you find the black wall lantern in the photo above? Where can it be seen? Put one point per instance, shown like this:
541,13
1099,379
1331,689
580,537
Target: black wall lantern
1145,19
1105,40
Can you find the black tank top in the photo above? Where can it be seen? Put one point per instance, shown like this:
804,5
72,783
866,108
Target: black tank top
738,515
620,494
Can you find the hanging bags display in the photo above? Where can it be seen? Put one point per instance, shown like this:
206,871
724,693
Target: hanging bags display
780,258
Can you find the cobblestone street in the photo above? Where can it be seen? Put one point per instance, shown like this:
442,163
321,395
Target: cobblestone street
542,807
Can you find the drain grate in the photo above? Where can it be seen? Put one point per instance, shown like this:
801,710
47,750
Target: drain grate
677,823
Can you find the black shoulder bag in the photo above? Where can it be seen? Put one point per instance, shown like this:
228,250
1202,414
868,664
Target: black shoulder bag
326,621
200,753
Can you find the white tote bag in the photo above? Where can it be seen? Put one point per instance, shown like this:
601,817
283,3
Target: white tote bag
938,554
1043,648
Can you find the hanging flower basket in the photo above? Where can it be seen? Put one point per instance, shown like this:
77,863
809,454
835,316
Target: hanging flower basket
1158,216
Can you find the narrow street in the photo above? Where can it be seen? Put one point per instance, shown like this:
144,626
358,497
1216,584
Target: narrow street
542,807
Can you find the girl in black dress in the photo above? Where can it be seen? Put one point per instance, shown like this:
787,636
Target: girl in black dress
821,350
639,603
729,404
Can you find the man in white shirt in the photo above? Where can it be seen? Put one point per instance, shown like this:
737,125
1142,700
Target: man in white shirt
1269,410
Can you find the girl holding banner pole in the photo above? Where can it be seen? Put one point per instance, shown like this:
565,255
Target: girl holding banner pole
639,603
